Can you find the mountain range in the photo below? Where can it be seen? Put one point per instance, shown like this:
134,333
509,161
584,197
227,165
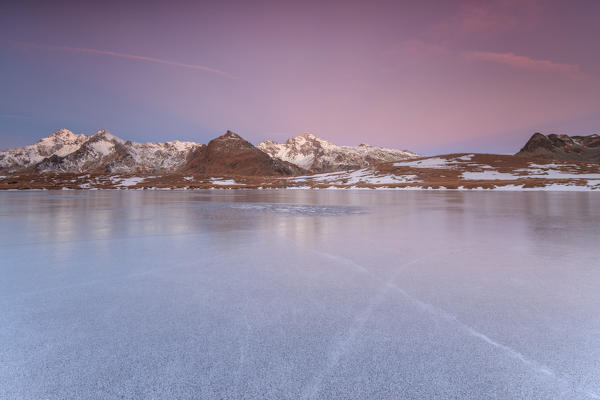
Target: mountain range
318,155
102,152
65,151
66,160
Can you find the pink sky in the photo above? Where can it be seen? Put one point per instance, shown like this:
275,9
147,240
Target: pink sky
429,76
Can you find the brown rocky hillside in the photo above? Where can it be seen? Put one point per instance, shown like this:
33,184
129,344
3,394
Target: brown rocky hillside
230,154
562,147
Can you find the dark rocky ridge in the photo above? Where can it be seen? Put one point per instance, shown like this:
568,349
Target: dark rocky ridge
562,147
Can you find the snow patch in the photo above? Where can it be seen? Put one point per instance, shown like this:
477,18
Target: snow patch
488,176
103,147
593,182
434,162
551,165
223,182
131,181
554,174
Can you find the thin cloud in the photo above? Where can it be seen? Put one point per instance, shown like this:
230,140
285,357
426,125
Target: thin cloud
131,57
13,116
523,62
416,48
488,18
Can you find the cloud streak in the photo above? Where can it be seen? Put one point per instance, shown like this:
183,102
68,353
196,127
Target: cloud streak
523,62
13,116
130,57
489,18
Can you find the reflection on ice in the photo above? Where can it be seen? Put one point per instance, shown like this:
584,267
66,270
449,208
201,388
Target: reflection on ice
299,294
300,209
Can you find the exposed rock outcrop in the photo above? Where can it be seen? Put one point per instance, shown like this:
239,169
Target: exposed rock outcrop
562,147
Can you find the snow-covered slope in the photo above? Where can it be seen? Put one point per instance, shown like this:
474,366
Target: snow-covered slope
315,154
64,151
463,171
60,143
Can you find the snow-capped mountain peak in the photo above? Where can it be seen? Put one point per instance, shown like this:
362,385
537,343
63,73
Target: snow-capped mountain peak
307,139
62,134
65,151
60,138
316,154
60,143
104,134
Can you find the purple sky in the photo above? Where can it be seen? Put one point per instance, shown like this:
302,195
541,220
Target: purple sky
430,76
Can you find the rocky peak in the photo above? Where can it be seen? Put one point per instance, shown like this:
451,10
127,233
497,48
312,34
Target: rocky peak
229,141
63,136
296,139
562,147
307,141
231,154
104,134
62,133
537,141
230,135
308,136
60,142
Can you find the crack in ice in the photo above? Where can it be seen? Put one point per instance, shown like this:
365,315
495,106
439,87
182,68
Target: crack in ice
359,322
244,345
341,346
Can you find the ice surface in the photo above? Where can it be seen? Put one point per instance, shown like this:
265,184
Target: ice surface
300,294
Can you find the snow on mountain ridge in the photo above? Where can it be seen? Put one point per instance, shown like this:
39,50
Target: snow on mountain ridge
315,154
65,151
60,143
104,134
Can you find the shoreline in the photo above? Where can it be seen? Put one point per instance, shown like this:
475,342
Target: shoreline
507,188
458,172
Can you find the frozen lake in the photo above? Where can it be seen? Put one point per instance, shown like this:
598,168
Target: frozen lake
299,295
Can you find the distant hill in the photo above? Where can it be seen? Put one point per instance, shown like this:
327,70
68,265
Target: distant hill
562,147
230,154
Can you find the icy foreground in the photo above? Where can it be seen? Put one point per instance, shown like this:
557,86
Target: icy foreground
299,295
